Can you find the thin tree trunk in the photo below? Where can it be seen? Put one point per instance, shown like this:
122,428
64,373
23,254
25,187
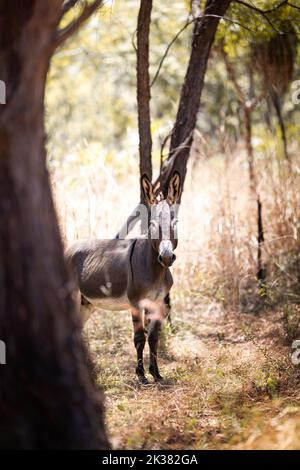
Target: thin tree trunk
143,89
47,396
261,274
143,102
247,105
249,148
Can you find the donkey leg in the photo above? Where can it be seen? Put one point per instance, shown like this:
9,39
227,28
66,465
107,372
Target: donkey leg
139,342
154,329
168,308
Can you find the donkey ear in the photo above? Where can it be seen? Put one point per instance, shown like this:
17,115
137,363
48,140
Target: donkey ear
147,189
174,190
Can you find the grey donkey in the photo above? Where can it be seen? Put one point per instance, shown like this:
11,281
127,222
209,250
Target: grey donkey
120,274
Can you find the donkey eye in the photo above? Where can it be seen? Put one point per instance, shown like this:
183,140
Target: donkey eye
154,228
174,223
154,225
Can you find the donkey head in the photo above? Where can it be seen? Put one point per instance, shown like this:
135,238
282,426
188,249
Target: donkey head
163,218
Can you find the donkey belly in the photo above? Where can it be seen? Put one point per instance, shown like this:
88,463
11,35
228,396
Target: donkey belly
156,293
111,303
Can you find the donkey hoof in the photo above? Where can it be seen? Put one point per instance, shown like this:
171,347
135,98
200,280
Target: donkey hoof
143,380
158,378
155,374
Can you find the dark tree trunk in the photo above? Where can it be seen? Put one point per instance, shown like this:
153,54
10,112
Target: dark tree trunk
182,134
278,110
261,274
143,89
247,104
47,396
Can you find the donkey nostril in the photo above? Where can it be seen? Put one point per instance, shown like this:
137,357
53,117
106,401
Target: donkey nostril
166,259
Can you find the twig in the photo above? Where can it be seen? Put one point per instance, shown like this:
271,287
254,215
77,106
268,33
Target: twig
188,23
264,13
63,34
259,10
168,165
168,136
292,5
232,76
168,48
133,40
67,6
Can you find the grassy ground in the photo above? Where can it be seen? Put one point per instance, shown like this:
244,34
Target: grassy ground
229,381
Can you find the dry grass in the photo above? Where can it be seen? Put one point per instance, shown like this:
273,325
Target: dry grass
230,383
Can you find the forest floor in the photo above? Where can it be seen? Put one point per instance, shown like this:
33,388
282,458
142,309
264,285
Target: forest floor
229,381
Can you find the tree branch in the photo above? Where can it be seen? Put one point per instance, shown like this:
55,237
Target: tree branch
63,34
248,102
188,23
259,10
264,13
67,6
293,6
168,48
231,74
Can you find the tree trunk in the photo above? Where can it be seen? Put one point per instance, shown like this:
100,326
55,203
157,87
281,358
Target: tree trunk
261,274
278,110
47,396
182,134
247,105
143,103
143,89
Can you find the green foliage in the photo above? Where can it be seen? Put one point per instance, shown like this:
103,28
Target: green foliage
91,93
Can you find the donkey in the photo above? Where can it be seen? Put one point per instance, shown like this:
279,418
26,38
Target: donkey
120,274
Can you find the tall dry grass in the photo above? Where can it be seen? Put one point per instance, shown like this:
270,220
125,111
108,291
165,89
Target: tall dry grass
217,251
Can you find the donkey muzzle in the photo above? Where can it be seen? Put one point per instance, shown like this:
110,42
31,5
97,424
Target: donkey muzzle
166,257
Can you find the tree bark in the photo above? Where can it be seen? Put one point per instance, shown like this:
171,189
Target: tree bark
143,89
182,134
47,395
